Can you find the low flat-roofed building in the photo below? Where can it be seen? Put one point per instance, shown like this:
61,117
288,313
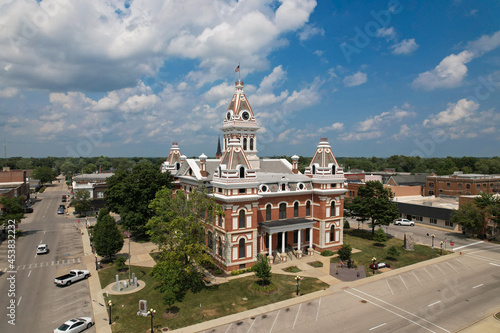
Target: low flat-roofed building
461,184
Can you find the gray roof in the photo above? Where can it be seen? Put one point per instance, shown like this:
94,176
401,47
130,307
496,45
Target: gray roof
93,176
425,211
288,224
415,180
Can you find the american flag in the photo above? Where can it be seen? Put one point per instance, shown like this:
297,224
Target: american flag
237,69
341,262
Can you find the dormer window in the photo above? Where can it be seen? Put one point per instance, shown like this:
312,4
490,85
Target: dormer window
333,169
283,187
313,169
242,172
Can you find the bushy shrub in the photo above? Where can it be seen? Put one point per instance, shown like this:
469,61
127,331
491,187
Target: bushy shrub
120,262
393,252
327,253
218,271
380,237
235,272
345,252
346,224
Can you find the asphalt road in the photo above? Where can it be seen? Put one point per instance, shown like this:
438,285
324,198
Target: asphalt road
438,297
41,306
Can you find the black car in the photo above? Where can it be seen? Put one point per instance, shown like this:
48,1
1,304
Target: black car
28,209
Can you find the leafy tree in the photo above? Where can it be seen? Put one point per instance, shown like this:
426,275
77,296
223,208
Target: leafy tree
89,168
130,192
469,217
262,270
12,209
178,229
345,252
107,239
82,201
44,173
373,204
68,168
380,237
489,205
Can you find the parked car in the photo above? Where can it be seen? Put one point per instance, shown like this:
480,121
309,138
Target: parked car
73,276
404,222
28,209
62,206
60,210
42,249
75,325
63,198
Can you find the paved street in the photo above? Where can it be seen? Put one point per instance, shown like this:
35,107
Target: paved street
41,306
443,295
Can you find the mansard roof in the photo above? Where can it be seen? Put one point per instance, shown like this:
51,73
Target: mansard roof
323,156
239,111
234,156
174,155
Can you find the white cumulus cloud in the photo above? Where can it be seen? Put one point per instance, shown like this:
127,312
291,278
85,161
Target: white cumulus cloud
406,46
355,80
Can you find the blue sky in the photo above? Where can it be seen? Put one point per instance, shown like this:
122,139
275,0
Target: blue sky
378,78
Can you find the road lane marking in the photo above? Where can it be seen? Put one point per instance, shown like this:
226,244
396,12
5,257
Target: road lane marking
373,328
494,264
451,266
464,246
253,322
380,300
29,274
484,258
462,263
275,321
296,316
403,282
20,298
229,327
389,287
388,310
440,270
417,278
319,306
429,274
479,285
434,303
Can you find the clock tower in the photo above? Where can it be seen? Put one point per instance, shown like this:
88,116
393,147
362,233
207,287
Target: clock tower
239,123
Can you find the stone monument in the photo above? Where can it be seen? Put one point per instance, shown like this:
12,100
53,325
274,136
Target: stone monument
409,241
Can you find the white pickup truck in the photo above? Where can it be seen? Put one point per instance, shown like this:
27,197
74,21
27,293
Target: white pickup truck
73,276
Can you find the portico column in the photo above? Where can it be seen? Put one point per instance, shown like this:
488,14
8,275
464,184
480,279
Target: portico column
300,233
270,244
283,242
311,238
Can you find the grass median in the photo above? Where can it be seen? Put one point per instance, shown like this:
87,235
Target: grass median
216,301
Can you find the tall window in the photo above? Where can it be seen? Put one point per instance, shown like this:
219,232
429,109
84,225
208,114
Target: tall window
314,170
282,211
241,248
296,209
242,172
210,240
308,208
283,187
244,143
296,236
251,143
332,208
307,234
268,212
241,220
334,167
220,246
332,234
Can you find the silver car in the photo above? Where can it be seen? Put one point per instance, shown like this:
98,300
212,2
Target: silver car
75,325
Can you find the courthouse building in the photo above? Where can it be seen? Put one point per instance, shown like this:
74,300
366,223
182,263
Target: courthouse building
269,206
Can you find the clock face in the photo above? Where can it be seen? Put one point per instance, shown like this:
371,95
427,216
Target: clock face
228,115
245,115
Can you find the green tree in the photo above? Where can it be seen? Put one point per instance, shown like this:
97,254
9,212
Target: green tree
373,204
380,237
178,229
107,239
89,168
44,173
13,210
392,252
262,270
130,192
345,252
82,201
469,217
489,205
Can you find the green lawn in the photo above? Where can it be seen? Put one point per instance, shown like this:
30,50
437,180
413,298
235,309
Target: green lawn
216,301
361,240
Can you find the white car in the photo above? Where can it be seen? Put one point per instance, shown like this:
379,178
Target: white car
42,249
75,325
404,222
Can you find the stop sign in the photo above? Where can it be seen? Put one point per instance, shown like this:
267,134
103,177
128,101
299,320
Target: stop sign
452,243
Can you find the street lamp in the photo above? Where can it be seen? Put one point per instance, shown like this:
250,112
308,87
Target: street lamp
96,267
297,278
110,304
151,313
432,236
373,264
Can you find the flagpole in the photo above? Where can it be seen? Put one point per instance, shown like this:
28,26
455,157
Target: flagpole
239,73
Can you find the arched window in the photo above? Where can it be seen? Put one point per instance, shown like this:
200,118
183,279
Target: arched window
242,172
244,143
332,208
334,167
308,208
283,187
296,209
210,241
282,211
220,172
268,212
314,170
241,248
220,246
332,233
251,143
241,220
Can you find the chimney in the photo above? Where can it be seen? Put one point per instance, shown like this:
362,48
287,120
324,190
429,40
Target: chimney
203,165
100,168
295,164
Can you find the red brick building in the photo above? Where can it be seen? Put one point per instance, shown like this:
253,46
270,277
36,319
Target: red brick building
461,184
269,206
